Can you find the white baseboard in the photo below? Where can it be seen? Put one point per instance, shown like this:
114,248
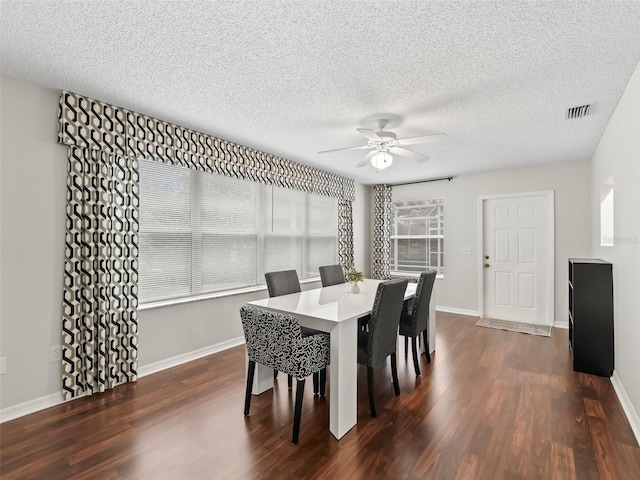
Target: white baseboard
30,406
188,357
564,325
54,399
627,406
459,311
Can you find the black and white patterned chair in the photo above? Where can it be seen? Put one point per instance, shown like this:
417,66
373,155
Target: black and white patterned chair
331,275
275,341
285,282
415,319
380,340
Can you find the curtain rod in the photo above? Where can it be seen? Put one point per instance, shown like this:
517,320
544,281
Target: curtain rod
422,181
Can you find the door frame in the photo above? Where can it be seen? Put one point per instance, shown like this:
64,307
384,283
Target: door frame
550,280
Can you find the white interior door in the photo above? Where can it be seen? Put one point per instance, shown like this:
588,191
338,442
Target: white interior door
517,261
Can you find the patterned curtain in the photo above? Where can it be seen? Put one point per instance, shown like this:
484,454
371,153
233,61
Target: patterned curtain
100,325
381,232
345,233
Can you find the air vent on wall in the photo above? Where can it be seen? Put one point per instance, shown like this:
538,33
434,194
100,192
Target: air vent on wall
580,111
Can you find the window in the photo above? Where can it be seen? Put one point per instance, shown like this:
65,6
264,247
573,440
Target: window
606,214
417,236
203,233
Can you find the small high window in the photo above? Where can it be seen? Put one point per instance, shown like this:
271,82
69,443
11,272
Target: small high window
606,214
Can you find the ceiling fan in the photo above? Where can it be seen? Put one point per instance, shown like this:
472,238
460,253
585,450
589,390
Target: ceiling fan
383,143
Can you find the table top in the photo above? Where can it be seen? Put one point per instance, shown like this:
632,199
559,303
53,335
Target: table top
335,303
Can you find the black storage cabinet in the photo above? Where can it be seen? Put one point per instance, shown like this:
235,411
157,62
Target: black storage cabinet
591,316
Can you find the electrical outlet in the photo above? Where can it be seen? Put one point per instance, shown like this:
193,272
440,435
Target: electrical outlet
3,365
55,355
466,251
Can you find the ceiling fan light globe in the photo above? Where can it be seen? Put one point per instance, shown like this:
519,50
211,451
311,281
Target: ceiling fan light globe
381,160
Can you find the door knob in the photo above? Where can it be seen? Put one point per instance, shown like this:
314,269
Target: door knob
486,265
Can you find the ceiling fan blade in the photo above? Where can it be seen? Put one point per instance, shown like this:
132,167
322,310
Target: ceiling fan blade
405,152
370,134
347,148
367,158
436,137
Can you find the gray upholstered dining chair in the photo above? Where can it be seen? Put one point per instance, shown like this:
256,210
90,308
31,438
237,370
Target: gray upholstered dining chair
415,320
285,282
331,275
275,341
380,340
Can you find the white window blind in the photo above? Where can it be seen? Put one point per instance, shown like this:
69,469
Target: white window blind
202,233
165,232
322,219
228,232
284,230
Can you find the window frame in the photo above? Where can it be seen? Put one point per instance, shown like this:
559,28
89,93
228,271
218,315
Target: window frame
394,263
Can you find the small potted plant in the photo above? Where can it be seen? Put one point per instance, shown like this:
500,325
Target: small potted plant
354,276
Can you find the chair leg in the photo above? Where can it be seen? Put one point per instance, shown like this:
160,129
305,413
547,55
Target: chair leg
406,345
298,411
323,381
289,382
414,350
394,374
425,338
247,397
275,374
316,382
372,402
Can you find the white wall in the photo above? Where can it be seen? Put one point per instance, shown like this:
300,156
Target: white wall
458,290
618,156
32,203
32,211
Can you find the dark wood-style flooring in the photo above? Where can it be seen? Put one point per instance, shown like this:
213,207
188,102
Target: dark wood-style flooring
492,405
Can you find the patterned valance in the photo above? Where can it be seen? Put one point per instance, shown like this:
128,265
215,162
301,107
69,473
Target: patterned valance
88,123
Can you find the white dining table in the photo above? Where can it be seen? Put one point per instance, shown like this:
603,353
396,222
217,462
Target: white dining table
334,310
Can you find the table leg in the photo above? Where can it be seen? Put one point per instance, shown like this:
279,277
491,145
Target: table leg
432,326
343,397
262,379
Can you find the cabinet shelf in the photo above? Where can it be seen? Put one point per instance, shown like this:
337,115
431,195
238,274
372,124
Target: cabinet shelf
591,316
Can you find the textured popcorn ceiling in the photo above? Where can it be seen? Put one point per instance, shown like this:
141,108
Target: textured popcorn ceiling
295,77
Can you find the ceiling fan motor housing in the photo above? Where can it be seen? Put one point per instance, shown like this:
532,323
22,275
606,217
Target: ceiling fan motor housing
387,135
386,138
